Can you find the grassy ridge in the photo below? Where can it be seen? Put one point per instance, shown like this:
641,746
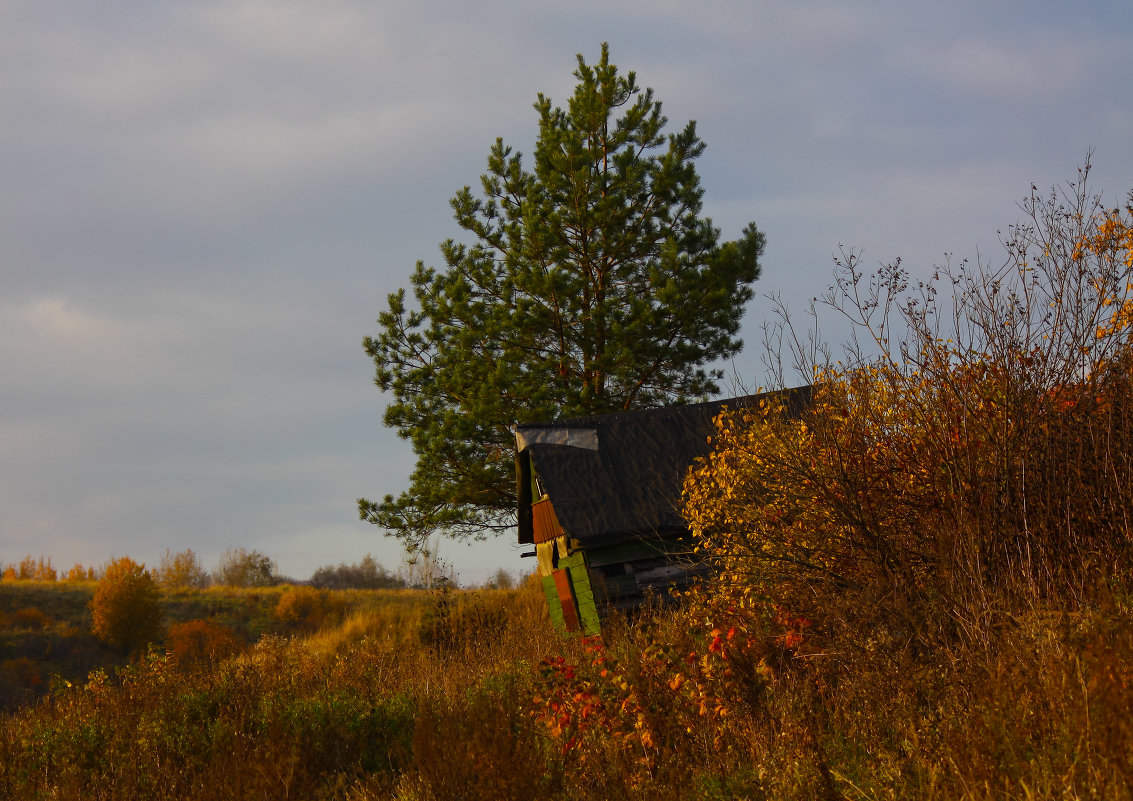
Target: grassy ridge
45,626
44,632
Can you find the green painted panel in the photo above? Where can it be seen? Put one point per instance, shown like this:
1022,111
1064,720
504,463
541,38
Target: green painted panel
583,593
573,560
554,608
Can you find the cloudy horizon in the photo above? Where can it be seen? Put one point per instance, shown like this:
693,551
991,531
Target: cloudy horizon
205,205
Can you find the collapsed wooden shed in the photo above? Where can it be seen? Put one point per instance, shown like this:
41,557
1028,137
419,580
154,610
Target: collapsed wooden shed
600,499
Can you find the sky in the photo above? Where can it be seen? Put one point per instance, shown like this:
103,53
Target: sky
203,206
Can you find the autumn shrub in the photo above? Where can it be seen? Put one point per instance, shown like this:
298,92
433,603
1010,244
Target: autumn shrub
30,618
682,703
125,609
480,746
182,569
958,470
78,573
240,567
714,701
305,608
947,514
458,621
200,641
31,569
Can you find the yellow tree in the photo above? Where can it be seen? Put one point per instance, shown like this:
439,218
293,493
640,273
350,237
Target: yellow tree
1114,240
181,569
125,606
35,570
78,573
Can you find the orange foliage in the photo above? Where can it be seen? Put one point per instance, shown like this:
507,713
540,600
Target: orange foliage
697,684
1114,240
30,569
201,641
993,460
30,618
125,606
304,608
182,569
78,573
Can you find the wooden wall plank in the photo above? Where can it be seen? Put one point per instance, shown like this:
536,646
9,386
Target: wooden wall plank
566,599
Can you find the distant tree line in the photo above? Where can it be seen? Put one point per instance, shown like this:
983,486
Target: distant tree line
368,574
240,567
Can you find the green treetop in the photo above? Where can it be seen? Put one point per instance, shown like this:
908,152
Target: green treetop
590,284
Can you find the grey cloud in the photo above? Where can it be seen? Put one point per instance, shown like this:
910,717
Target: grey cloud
203,206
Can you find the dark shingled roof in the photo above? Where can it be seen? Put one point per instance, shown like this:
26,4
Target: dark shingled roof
618,476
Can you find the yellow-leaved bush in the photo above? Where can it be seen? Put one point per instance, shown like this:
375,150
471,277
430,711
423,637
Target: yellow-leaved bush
941,474
126,610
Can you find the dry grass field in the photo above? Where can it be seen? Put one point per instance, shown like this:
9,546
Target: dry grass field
467,694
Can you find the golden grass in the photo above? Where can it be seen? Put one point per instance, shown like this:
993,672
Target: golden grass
430,696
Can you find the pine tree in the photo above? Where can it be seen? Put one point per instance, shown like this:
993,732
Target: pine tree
591,284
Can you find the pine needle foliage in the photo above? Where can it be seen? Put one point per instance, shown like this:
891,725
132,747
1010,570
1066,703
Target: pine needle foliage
591,283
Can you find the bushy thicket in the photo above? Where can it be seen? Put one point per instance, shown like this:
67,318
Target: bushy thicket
181,569
981,454
367,574
239,567
949,515
29,569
